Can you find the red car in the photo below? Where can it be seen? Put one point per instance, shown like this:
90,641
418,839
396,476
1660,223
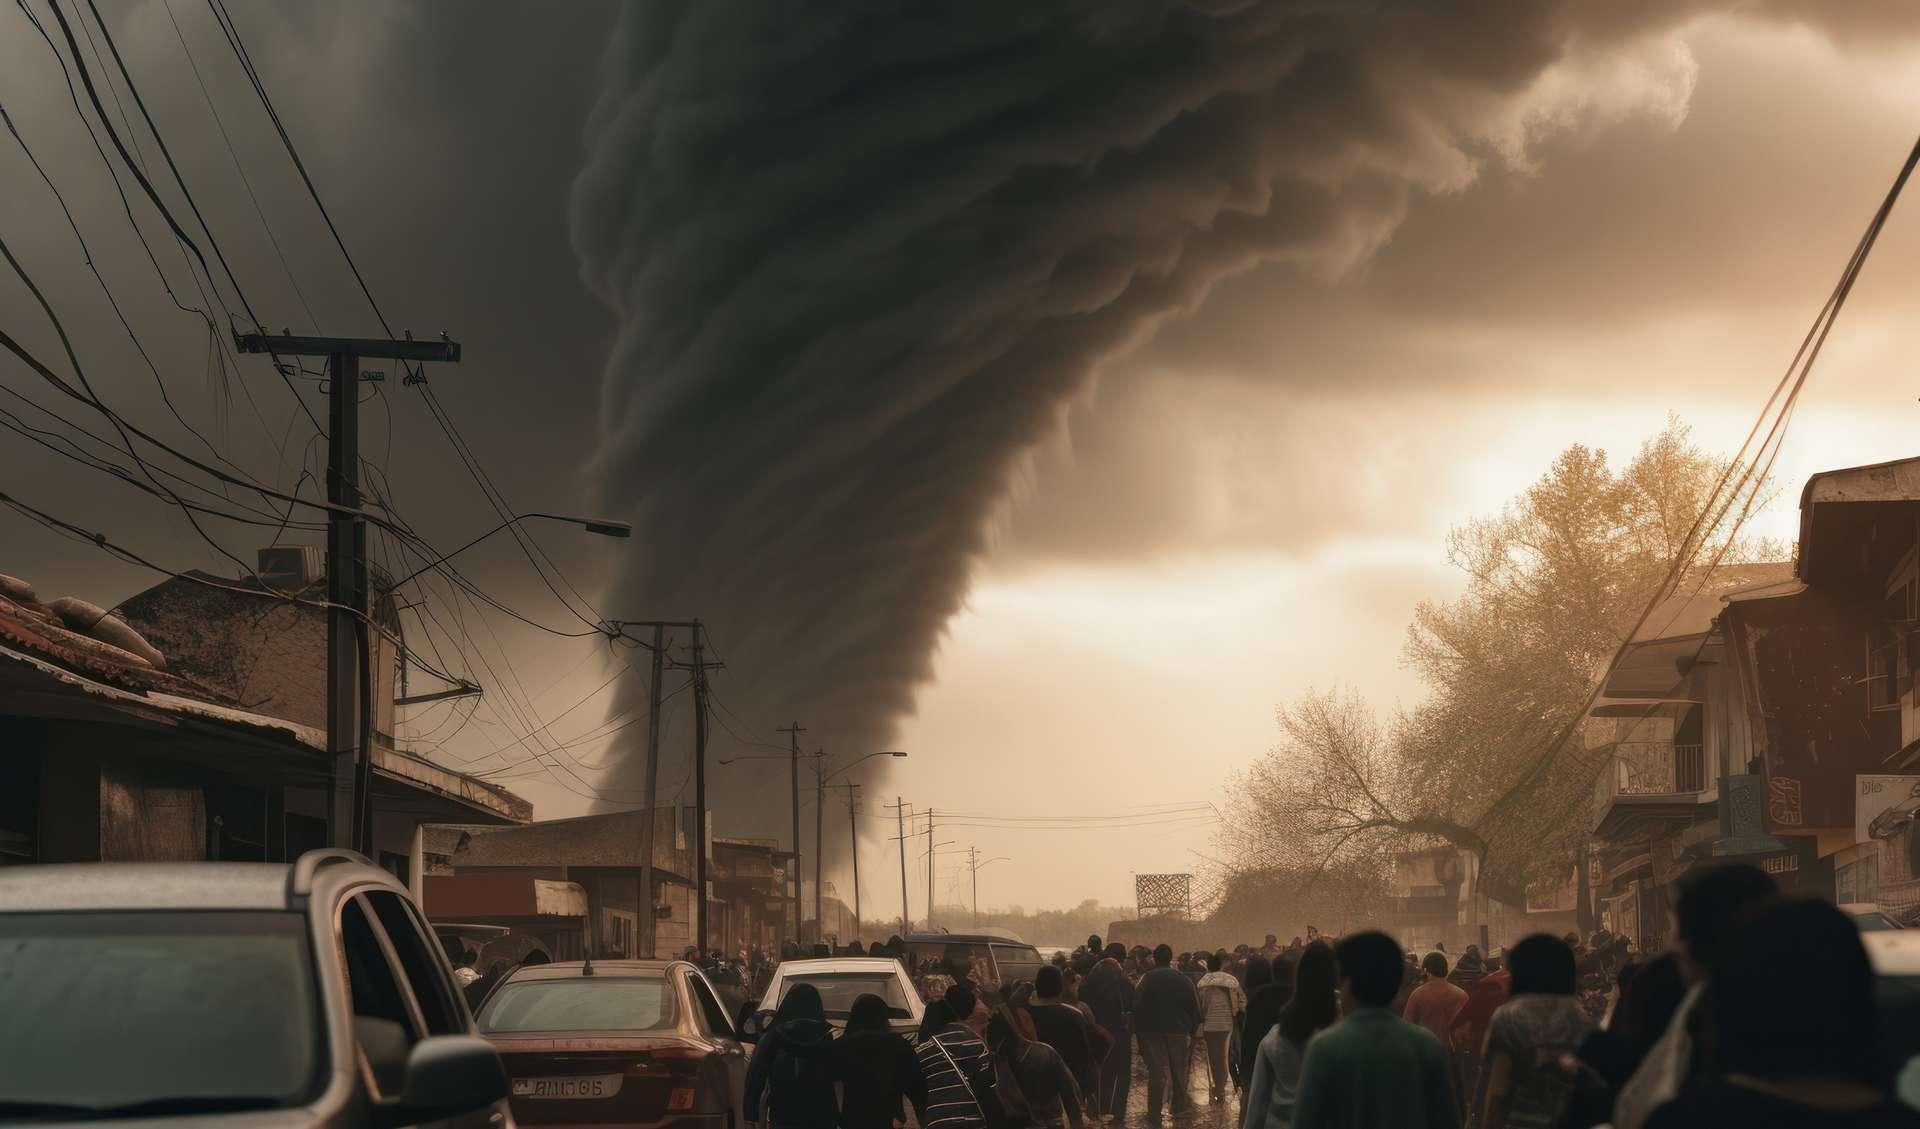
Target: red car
616,1042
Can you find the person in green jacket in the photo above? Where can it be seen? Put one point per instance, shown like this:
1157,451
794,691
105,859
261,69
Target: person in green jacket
1373,1068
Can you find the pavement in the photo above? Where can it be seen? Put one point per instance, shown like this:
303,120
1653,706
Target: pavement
1203,1114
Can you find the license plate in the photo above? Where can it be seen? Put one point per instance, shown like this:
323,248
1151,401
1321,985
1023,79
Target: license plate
586,1086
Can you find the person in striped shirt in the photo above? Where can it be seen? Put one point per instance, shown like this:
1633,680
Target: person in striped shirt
949,1055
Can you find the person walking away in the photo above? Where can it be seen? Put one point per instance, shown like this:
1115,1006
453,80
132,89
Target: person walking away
1269,986
1469,1029
1166,1015
1409,980
1085,959
790,1079
1108,995
1794,1028
1469,968
1606,1058
1436,1002
1223,1003
875,1069
1527,1087
968,1006
1019,999
1313,1005
1034,1073
950,1059
1709,903
1070,1033
1374,1069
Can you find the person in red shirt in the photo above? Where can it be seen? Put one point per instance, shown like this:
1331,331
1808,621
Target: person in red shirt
1435,1003
1469,1027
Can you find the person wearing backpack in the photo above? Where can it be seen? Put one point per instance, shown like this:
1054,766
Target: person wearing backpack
875,1069
1035,1074
953,1064
790,1080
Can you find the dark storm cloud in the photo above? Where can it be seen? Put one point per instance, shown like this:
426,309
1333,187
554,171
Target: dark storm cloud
446,169
862,256
1668,261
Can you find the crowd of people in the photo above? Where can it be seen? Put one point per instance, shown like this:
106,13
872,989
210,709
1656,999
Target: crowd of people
1762,1014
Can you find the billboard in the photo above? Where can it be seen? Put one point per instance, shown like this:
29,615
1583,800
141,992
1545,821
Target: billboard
1883,804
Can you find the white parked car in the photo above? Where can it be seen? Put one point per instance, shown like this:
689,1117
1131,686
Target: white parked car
842,980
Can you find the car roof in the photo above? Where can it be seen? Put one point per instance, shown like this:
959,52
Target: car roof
97,887
575,969
836,964
1894,952
963,938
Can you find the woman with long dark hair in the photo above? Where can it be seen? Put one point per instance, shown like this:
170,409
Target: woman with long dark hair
1269,987
1042,1089
1650,994
790,1080
875,1068
1314,1006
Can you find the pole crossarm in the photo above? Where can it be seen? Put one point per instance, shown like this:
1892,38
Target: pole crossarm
374,348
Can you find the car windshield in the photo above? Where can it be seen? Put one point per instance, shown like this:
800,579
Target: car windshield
117,1011
838,990
589,1003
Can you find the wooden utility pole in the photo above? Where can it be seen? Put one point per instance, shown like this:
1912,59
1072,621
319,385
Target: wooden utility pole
793,733
648,921
699,790
819,846
900,823
929,870
973,867
648,941
350,685
853,845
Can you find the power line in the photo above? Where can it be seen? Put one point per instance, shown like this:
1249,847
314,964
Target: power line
1789,385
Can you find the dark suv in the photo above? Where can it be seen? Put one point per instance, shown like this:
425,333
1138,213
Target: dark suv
239,994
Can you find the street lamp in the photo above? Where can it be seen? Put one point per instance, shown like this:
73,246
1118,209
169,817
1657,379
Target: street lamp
975,868
853,832
592,525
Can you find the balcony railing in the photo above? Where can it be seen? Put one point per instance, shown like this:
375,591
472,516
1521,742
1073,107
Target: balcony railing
1651,768
1658,768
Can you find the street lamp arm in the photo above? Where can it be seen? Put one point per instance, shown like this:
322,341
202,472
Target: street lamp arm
591,525
868,757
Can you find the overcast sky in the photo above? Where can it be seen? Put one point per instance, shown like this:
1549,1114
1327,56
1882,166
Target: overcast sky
1071,545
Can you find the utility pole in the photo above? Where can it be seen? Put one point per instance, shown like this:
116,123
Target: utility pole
793,733
819,847
648,922
699,790
973,867
649,819
899,807
929,870
853,845
350,684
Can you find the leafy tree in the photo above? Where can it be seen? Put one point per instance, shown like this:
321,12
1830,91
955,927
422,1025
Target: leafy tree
1498,758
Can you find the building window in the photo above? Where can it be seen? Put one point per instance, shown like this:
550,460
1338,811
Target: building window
621,927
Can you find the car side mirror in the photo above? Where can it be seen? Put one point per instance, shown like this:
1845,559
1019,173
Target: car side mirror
451,1074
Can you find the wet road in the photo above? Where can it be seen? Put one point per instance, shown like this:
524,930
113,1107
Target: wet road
1202,1114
